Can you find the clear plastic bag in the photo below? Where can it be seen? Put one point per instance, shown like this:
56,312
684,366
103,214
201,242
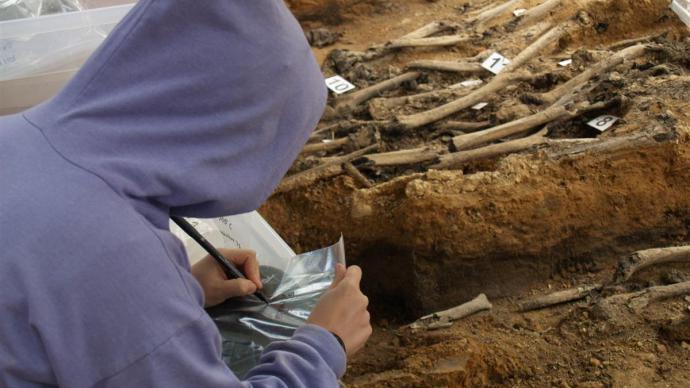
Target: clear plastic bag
292,283
248,326
21,9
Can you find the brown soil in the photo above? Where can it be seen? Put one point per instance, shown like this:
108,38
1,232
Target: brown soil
522,225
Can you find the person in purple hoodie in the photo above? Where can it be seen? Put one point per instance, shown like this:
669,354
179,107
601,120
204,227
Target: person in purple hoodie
189,108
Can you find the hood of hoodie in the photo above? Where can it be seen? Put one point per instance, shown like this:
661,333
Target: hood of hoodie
198,108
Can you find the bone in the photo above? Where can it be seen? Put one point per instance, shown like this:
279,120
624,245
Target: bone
556,112
539,12
449,66
443,318
638,301
327,169
437,41
456,160
380,108
325,146
621,44
464,126
472,140
594,71
539,45
493,13
352,171
414,121
607,145
349,103
559,297
507,77
650,257
403,157
416,38
340,126
427,30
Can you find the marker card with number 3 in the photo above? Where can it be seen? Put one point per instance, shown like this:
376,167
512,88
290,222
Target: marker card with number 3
496,63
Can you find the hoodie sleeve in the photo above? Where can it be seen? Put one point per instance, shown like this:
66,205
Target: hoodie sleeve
312,358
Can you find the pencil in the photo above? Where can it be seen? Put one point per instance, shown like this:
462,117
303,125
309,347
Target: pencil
230,270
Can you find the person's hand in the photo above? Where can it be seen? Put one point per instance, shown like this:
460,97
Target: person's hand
217,288
343,309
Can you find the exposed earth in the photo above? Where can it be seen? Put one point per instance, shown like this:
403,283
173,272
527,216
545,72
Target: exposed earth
512,226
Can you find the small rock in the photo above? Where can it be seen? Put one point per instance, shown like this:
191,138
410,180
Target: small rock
416,188
361,209
561,383
660,348
322,37
595,362
685,345
615,77
649,357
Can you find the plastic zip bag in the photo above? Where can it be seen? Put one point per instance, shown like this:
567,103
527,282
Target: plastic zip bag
247,325
292,283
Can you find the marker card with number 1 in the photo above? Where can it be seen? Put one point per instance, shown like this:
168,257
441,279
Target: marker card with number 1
496,63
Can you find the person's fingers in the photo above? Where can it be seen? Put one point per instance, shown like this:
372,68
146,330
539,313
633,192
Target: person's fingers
354,275
247,262
340,271
251,270
238,256
237,287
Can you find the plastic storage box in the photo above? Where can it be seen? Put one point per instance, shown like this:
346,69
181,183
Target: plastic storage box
682,8
38,55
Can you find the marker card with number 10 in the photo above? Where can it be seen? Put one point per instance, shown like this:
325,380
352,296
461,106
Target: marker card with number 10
338,84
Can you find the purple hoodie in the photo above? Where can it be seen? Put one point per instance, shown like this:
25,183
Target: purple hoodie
193,108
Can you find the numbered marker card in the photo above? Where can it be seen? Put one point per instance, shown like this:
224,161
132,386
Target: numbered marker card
603,123
496,63
338,84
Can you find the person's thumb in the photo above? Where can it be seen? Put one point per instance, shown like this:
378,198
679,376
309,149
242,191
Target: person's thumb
340,272
238,287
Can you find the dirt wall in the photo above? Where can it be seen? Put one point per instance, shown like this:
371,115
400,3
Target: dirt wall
334,11
433,240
